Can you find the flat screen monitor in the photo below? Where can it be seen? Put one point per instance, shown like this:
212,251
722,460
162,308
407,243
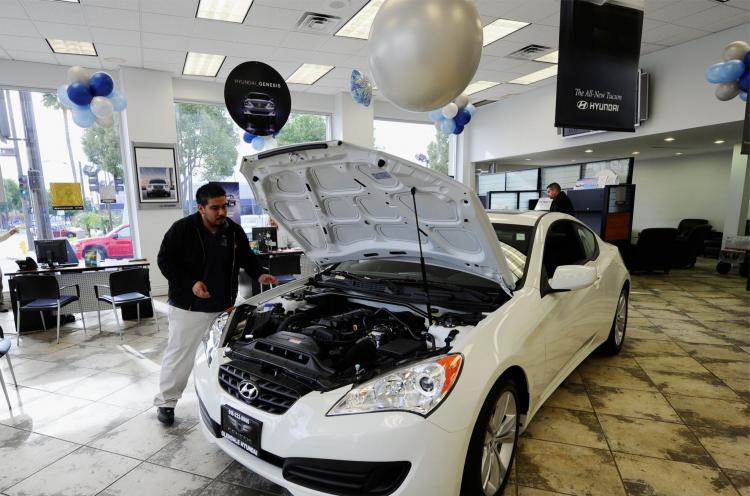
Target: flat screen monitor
266,237
51,251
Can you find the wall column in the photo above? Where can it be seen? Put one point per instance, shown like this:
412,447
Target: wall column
738,195
352,122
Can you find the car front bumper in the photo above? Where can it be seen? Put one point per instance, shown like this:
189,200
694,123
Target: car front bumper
304,436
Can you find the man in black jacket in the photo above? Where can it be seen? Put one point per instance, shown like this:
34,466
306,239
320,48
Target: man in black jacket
560,201
200,256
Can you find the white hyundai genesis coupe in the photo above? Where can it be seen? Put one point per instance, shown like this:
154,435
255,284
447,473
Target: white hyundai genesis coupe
429,337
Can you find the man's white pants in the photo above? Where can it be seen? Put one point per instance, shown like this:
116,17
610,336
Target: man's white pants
186,329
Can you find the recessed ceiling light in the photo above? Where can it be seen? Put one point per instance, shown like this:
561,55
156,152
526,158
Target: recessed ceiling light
500,29
72,47
527,159
202,64
536,76
309,73
669,139
635,153
224,10
550,58
588,151
718,142
359,25
478,86
678,153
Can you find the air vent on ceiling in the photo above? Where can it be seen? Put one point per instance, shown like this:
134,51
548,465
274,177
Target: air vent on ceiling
312,22
529,52
484,102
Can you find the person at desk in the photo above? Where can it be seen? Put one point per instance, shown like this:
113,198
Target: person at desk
3,237
283,239
200,256
560,201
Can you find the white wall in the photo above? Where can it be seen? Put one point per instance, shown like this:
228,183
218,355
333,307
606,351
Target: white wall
675,188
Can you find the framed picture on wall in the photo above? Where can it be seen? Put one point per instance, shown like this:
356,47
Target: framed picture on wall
156,174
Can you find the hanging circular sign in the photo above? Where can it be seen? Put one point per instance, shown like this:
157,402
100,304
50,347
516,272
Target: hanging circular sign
257,98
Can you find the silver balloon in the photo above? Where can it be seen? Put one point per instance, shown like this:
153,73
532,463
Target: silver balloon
736,50
727,91
424,53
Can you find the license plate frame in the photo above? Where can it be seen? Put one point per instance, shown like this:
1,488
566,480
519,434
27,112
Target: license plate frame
241,429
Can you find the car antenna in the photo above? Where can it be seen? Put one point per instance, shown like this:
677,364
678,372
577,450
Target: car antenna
421,257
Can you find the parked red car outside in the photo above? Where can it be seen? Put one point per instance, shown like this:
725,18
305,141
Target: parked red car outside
115,244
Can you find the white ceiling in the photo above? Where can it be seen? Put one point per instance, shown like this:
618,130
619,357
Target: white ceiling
156,34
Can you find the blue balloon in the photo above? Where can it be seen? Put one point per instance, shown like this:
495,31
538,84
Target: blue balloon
248,137
731,70
79,94
743,82
83,117
436,115
258,143
462,117
471,109
447,126
101,84
713,73
62,96
119,101
743,96
275,134
459,129
746,60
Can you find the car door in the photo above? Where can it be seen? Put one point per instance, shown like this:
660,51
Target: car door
122,244
568,323
600,314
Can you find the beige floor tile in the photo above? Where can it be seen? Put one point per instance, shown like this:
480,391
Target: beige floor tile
530,491
647,333
733,371
675,314
191,453
650,347
668,363
571,396
573,378
631,403
620,360
567,469
603,375
700,384
704,336
712,413
729,447
651,476
153,479
567,426
709,353
741,480
651,438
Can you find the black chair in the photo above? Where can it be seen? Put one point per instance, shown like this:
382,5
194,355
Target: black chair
687,225
687,247
652,250
5,344
42,293
126,287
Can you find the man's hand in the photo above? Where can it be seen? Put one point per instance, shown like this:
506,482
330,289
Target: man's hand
201,291
268,279
13,230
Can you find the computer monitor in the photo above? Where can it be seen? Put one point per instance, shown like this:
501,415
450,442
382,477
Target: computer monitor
51,251
263,235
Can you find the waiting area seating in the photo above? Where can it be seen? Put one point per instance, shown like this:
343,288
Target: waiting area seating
126,287
5,344
652,251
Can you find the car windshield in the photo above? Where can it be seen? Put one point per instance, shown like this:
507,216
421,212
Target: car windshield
515,241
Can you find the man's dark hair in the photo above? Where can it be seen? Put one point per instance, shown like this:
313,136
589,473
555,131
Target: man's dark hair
208,191
554,186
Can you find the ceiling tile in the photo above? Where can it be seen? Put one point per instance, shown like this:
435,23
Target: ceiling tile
717,14
163,24
82,60
670,12
63,12
112,18
534,11
497,8
232,32
4,54
654,5
12,9
132,55
116,36
179,8
16,27
115,4
552,20
536,33
647,48
166,56
36,44
338,44
671,34
63,31
649,24
292,55
326,58
304,41
741,4
727,23
273,17
164,41
174,68
45,58
503,47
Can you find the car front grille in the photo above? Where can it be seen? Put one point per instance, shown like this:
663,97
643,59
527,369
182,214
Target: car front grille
272,398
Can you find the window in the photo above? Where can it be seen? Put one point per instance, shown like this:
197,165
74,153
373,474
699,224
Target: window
525,197
620,167
523,180
588,240
515,242
414,141
562,247
566,176
503,201
490,182
64,153
124,232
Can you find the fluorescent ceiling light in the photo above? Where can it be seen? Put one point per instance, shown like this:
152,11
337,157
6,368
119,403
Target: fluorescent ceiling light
500,29
478,86
550,58
588,151
635,153
536,76
527,159
309,73
202,64
72,47
359,25
678,153
718,142
669,139
224,10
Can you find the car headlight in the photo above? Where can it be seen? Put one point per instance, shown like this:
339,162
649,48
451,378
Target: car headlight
213,334
418,388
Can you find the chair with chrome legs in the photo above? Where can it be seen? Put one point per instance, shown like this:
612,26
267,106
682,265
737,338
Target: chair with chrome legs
126,287
40,294
5,344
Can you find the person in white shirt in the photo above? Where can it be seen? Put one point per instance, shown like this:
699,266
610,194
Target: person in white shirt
284,240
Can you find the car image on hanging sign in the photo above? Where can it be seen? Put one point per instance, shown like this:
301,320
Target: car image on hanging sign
382,375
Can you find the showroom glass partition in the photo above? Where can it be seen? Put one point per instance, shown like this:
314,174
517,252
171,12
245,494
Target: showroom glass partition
210,148
47,147
414,141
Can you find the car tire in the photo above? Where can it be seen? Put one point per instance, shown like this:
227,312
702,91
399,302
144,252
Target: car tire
493,443
616,338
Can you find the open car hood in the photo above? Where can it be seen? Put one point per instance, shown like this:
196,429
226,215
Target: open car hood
344,202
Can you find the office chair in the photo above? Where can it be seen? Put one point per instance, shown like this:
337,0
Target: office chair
5,344
126,287
39,293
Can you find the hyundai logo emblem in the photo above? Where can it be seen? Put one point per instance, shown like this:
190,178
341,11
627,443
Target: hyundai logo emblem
582,104
248,390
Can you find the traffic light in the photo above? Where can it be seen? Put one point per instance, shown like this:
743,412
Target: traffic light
23,185
119,183
94,182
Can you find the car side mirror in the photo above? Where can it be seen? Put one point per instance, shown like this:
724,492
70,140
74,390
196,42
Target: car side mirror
572,277
115,236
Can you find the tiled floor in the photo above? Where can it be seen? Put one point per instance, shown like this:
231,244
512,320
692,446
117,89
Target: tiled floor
670,415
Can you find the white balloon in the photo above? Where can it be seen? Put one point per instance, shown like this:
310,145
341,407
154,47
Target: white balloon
736,50
424,53
270,142
101,106
727,91
78,74
450,110
105,122
461,100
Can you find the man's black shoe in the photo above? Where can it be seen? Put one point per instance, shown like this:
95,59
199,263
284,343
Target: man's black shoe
165,415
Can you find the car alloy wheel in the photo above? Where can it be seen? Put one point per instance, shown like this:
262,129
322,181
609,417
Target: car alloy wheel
621,318
499,443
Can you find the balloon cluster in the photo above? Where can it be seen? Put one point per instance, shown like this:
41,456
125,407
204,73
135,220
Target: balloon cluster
260,143
361,88
731,75
452,118
91,97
